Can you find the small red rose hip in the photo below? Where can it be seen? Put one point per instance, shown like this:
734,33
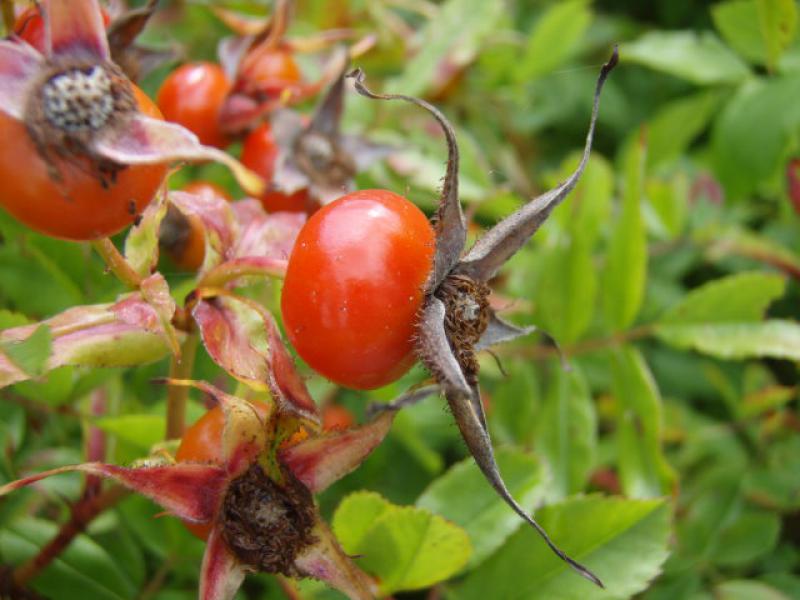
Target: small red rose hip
192,96
353,287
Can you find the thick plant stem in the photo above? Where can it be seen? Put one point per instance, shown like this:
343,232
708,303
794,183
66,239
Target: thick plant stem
178,394
83,512
117,263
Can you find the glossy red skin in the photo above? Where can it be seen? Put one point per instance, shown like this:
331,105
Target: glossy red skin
30,26
78,207
336,418
192,96
202,443
353,287
259,153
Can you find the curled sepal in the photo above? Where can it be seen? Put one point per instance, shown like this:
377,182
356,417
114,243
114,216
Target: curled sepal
472,426
221,574
320,461
499,331
19,64
244,433
155,291
141,244
144,140
263,234
492,251
325,560
189,491
76,27
134,60
450,227
242,337
126,333
219,223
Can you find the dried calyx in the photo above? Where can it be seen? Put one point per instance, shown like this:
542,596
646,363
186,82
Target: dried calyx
456,320
266,524
318,156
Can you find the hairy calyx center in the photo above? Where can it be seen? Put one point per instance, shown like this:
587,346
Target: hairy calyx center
79,100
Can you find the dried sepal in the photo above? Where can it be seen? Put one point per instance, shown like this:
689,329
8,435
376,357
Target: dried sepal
75,27
135,60
19,64
145,141
175,487
321,460
325,560
503,240
221,574
499,331
450,227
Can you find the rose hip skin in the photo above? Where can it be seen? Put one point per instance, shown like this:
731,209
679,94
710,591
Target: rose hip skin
353,287
192,96
78,206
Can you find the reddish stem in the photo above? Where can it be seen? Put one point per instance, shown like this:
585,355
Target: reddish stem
83,512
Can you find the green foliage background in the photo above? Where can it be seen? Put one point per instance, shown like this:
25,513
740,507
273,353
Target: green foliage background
667,457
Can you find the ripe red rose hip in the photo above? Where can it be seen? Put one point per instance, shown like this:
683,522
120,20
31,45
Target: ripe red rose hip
353,287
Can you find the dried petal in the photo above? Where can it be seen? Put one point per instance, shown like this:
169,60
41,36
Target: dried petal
364,152
492,251
262,234
230,52
19,63
325,560
144,140
189,491
221,574
76,28
320,461
451,230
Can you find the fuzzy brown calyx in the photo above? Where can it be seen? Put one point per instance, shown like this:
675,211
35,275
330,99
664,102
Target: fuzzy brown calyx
467,314
265,524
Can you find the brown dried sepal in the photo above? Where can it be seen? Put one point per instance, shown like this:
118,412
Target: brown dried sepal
467,315
265,524
323,160
53,141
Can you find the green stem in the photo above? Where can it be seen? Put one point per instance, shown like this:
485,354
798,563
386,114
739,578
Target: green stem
8,15
117,263
177,395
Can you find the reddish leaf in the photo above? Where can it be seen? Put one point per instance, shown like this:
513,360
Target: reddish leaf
221,574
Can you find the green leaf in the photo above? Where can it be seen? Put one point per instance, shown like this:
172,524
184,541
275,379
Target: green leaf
644,470
762,114
356,515
514,403
778,21
568,284
751,536
738,23
741,297
143,431
31,354
669,200
55,388
479,510
623,541
626,264
406,548
676,125
9,319
742,589
83,570
697,57
448,42
554,39
567,432
731,341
